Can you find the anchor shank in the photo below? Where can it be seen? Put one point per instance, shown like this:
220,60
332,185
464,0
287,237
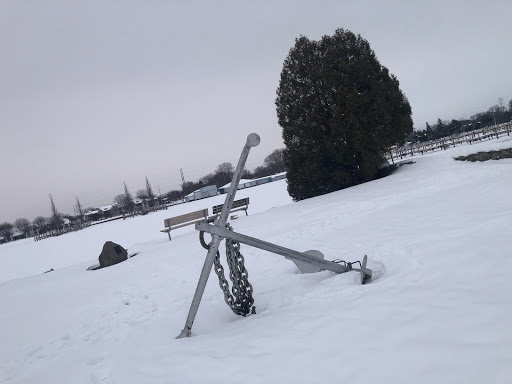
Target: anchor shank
203,279
252,141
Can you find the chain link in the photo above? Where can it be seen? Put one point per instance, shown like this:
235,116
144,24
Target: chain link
240,298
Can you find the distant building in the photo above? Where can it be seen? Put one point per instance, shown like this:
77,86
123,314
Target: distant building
202,193
141,205
244,183
93,215
32,231
279,176
66,224
17,235
252,183
110,211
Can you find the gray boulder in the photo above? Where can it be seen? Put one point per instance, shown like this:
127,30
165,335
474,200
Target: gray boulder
483,156
495,155
505,153
111,254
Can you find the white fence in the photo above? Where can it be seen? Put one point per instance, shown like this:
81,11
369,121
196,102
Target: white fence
487,133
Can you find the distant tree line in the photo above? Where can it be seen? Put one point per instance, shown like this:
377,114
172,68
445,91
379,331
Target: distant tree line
40,224
497,114
222,175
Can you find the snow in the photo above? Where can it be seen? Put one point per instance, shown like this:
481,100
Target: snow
438,238
106,208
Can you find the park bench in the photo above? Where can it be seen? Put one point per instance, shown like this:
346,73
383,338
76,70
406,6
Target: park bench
184,220
238,205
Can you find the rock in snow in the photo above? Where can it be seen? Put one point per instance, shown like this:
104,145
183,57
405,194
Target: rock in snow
111,254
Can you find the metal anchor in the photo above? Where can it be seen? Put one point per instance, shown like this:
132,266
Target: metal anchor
307,262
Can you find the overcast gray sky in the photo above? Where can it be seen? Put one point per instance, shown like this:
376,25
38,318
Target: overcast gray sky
94,93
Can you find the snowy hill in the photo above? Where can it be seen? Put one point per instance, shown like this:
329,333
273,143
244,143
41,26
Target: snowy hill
438,238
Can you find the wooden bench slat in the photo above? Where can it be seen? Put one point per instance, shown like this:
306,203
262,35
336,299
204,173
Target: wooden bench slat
186,217
184,225
184,220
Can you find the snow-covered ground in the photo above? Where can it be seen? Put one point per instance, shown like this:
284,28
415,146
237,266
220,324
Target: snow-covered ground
438,235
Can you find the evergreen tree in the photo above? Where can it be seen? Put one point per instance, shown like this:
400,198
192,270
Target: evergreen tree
340,110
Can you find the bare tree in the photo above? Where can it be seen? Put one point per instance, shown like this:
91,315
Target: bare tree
141,194
22,225
246,174
208,179
149,190
79,210
126,205
55,219
173,195
119,201
226,170
259,171
127,192
274,162
6,231
40,222
187,187
127,202
501,105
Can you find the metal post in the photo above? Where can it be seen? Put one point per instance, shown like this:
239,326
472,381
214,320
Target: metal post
253,140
